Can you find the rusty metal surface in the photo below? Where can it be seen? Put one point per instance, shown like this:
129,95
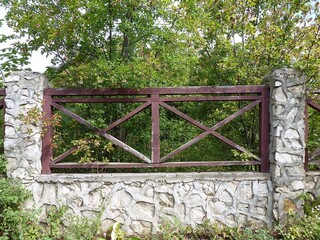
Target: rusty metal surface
154,98
47,152
310,157
264,130
154,165
149,91
314,105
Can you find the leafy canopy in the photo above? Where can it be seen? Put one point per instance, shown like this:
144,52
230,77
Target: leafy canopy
164,42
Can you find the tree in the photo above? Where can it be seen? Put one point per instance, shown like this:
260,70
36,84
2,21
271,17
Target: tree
127,42
138,43
141,43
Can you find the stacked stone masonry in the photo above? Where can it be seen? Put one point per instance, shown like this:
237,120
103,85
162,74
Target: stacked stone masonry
287,141
142,201
22,142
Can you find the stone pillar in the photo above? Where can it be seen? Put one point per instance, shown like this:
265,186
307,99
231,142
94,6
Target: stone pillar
287,141
22,142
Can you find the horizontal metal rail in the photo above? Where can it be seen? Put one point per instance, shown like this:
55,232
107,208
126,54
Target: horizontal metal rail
149,91
154,165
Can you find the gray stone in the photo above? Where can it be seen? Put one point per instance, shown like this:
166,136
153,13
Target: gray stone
120,199
279,95
166,200
218,208
279,110
287,142
298,185
277,84
194,200
13,78
292,114
226,197
278,131
143,211
291,134
197,214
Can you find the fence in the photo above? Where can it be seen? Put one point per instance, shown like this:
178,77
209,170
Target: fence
155,98
140,201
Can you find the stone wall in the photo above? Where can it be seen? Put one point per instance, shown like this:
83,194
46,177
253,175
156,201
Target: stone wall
141,201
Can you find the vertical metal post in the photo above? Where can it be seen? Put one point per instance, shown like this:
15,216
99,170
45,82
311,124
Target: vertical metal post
306,130
264,129
3,121
4,109
47,154
155,117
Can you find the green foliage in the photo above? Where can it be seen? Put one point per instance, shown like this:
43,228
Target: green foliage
144,43
208,230
305,228
3,164
12,195
15,223
86,147
35,117
313,132
83,228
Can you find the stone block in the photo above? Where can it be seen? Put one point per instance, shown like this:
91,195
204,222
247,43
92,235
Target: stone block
142,211
260,211
291,134
166,200
279,95
278,131
295,171
298,185
197,214
12,78
227,197
194,199
217,208
278,109
120,199
292,114
287,158
245,191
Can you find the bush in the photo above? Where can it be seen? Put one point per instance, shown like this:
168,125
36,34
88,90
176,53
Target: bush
3,164
15,221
